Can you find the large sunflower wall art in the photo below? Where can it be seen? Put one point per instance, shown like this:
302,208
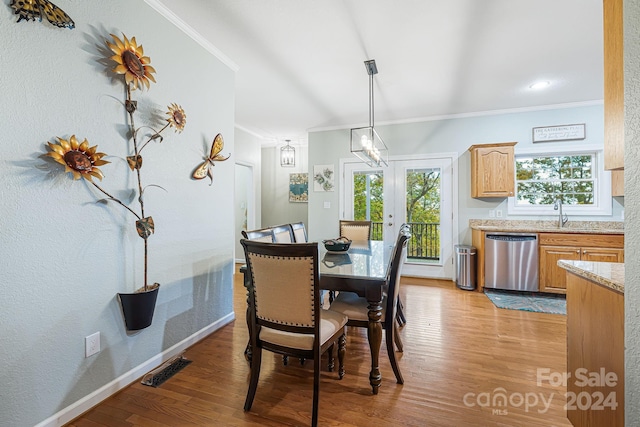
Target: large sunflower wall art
83,161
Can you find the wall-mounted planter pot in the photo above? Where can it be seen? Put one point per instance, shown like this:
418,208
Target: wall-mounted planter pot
138,308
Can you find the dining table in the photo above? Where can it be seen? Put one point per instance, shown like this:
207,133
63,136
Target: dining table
362,269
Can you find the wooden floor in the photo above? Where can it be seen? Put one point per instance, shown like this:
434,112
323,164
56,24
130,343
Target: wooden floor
462,359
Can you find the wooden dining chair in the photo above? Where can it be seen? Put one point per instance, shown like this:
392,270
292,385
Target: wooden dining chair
356,307
355,230
277,234
285,312
400,316
299,232
260,235
283,233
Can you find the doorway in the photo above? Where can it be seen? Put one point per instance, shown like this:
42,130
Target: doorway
244,209
419,191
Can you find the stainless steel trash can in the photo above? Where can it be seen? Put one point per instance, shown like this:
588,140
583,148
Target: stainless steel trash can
465,263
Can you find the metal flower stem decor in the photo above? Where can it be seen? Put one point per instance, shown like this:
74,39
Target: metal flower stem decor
83,161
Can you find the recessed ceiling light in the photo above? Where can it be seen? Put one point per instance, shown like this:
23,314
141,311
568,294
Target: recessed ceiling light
540,85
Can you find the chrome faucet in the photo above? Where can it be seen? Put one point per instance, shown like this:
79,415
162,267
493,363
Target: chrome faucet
562,219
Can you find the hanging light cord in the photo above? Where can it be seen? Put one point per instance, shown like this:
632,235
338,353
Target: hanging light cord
371,118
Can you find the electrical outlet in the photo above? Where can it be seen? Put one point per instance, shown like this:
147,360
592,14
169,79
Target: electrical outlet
498,213
92,344
492,213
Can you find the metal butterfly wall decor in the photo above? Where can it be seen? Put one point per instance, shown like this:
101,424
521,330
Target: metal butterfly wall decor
32,10
204,169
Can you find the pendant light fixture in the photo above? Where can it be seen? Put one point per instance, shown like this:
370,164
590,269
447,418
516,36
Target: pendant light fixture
287,155
366,144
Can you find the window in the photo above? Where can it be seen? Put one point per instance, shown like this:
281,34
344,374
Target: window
540,180
576,177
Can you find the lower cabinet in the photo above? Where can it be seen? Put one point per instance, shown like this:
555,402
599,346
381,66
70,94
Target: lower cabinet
595,354
576,247
556,246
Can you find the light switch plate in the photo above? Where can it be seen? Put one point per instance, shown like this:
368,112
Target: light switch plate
327,205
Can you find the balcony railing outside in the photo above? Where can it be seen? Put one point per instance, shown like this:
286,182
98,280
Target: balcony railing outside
424,242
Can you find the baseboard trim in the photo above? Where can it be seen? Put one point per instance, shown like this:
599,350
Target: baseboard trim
89,401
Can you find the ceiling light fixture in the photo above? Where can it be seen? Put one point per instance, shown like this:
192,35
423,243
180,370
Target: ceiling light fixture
287,155
540,85
366,144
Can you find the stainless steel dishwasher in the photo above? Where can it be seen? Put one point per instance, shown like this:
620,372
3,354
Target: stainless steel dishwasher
511,261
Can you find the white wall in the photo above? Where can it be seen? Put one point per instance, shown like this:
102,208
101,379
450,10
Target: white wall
452,135
248,154
276,207
64,256
632,217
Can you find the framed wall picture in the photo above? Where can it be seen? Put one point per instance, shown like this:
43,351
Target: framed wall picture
559,133
323,177
299,187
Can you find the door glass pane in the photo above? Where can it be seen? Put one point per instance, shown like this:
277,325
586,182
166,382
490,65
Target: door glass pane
423,213
368,200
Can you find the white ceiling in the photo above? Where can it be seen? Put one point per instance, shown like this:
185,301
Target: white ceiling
301,62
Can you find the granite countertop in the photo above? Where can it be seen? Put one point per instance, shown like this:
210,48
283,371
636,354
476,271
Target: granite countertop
545,226
607,274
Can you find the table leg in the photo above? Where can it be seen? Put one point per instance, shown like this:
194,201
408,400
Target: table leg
374,333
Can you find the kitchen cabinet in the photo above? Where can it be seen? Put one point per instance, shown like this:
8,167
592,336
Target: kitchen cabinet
617,182
492,170
613,85
595,350
581,247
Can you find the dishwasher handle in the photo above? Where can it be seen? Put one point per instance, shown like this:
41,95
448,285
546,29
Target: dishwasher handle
511,238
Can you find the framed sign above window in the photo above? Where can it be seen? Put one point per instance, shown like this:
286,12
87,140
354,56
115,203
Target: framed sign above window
559,133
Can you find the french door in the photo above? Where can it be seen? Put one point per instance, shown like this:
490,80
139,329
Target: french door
419,192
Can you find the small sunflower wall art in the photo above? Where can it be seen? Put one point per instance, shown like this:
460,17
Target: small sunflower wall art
84,161
323,178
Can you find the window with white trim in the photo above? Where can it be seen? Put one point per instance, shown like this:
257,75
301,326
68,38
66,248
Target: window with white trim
574,176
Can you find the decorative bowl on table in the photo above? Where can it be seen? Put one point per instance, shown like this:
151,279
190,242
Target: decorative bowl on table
339,245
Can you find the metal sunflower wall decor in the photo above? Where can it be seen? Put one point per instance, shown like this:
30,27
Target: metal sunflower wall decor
32,10
84,161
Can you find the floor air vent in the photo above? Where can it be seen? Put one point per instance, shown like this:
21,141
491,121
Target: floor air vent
165,371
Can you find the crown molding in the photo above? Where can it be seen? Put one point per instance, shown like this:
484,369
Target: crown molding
163,10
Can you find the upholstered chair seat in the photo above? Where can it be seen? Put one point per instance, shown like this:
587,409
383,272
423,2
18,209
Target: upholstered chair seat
330,323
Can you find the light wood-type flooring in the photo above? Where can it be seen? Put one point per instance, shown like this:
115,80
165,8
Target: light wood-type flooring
465,363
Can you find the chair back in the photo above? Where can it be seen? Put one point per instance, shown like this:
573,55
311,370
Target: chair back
284,287
355,230
261,235
283,233
299,232
393,279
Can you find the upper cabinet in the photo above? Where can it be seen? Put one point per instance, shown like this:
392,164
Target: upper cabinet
492,170
613,85
617,182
